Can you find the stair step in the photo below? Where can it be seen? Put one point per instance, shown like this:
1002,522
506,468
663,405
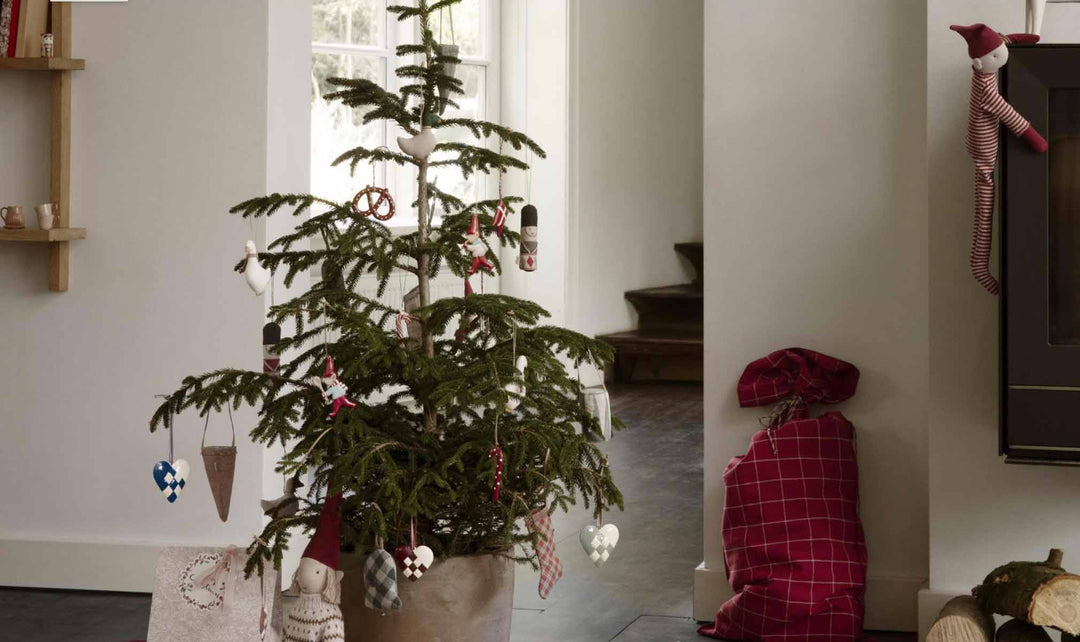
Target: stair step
658,354
670,306
695,253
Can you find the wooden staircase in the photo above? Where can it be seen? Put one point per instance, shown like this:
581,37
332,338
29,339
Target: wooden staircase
668,343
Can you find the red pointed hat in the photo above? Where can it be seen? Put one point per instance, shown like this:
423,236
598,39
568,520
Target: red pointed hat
474,225
325,546
330,370
982,39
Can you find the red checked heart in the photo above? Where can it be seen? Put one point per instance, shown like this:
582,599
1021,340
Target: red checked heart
414,562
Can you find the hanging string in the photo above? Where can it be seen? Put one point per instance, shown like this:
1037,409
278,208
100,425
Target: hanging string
207,425
169,421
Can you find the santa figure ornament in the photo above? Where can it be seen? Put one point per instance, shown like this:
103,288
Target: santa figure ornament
529,237
989,52
333,389
475,246
316,615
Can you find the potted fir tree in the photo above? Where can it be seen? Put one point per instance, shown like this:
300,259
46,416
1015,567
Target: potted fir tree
440,418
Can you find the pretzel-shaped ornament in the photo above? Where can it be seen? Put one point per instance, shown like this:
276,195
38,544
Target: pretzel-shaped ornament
382,207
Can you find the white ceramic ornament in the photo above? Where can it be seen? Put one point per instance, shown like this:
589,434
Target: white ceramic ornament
419,146
256,275
599,542
516,388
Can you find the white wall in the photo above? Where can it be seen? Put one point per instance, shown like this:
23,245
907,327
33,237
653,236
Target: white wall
169,125
637,152
816,236
982,511
534,86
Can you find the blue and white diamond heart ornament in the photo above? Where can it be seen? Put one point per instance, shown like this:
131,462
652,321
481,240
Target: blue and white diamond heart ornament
171,478
599,542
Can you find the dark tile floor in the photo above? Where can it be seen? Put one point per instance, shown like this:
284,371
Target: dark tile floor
644,594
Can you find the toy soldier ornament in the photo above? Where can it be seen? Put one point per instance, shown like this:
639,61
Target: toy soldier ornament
529,237
271,338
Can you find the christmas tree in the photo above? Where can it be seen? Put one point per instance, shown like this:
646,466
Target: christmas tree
439,417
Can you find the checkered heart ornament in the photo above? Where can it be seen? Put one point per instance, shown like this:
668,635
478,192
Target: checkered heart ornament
414,560
599,541
171,477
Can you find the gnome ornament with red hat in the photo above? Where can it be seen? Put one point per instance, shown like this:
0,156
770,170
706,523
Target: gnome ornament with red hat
475,246
333,389
316,615
989,52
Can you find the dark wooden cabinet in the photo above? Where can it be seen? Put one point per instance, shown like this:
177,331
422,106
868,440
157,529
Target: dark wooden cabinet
1040,260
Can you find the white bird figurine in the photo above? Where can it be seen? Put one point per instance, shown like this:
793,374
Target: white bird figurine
516,388
419,146
256,275
285,506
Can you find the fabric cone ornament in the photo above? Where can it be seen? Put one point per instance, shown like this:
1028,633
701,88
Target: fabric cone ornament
220,464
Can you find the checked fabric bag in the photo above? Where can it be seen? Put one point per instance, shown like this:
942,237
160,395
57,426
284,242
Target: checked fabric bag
380,582
793,542
550,566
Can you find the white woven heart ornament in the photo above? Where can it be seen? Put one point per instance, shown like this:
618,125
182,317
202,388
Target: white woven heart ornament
599,542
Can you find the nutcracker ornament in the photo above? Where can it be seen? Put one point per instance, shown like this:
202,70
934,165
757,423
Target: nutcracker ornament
316,615
333,389
271,339
989,52
529,238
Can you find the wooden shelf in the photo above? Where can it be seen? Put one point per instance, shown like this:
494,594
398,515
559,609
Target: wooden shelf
55,235
43,64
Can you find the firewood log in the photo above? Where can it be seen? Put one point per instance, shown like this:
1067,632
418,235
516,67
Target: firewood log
962,621
1041,593
1021,631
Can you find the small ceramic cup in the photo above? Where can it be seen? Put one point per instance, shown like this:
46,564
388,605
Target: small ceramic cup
46,214
12,215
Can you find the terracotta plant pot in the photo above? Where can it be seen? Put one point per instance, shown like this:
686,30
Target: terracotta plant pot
460,598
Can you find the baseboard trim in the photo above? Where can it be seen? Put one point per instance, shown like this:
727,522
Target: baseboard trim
78,565
892,603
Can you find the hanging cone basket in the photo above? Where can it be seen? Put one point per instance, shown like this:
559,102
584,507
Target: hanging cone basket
450,69
220,464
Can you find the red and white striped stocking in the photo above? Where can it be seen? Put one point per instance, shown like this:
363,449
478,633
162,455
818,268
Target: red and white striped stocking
550,566
982,234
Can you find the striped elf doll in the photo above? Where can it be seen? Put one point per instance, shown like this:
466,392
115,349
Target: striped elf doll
989,52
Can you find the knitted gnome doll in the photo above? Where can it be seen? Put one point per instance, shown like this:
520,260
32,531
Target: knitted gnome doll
316,616
989,52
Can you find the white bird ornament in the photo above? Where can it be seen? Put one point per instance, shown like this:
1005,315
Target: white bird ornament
256,275
516,388
419,146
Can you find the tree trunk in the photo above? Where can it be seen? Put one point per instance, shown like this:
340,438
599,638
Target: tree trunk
1041,593
423,264
962,621
1020,631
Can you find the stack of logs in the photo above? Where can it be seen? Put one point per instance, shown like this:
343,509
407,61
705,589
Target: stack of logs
1034,594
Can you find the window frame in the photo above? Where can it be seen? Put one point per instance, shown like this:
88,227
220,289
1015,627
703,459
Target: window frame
402,180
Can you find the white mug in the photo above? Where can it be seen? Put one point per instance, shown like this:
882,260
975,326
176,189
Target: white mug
47,213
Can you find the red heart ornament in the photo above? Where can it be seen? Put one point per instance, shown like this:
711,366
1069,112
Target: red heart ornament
414,562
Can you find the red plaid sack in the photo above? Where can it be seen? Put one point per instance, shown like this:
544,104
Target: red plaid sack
793,542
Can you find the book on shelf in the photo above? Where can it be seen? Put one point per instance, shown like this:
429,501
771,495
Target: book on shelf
9,24
33,21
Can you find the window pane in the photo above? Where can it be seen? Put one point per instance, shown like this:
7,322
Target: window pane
467,25
450,179
350,22
336,128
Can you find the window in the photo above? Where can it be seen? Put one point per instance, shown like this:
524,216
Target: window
357,39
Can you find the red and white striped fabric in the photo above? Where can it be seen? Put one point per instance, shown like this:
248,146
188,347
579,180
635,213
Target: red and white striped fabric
986,110
500,212
793,543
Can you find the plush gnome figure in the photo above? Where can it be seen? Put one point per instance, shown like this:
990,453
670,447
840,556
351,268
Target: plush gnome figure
989,52
316,614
